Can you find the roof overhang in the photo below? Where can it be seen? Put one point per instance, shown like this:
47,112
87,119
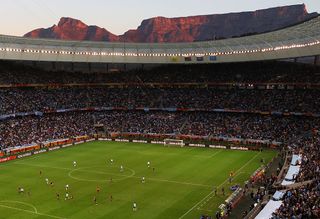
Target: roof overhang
296,41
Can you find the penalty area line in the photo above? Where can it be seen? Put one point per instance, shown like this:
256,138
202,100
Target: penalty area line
31,212
23,203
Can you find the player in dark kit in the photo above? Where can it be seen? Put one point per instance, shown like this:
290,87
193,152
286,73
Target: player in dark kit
215,191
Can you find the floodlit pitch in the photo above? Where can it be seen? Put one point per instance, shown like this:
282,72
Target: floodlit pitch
179,183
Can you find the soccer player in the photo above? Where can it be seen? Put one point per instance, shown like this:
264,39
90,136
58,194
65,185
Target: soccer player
74,163
95,200
231,174
134,206
215,191
40,172
111,161
20,190
223,192
148,164
58,196
67,187
111,198
47,181
153,169
67,196
98,189
230,179
51,184
121,168
143,180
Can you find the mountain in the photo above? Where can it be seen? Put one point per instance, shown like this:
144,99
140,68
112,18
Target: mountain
183,29
73,29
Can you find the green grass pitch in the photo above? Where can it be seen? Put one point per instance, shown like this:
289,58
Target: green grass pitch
181,185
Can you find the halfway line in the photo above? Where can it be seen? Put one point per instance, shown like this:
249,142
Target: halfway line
114,174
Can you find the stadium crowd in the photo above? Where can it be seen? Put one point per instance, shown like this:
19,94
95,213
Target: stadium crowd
303,202
44,99
288,130
36,129
310,163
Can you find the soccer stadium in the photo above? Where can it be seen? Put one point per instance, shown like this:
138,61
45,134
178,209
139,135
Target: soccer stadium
165,128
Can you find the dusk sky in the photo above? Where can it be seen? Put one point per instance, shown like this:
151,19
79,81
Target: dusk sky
21,16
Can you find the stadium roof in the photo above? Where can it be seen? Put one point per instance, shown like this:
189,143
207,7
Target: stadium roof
296,41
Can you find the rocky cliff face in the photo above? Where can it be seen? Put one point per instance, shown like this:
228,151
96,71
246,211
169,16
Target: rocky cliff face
184,29
72,29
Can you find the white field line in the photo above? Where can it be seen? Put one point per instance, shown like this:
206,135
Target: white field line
176,182
31,212
23,203
120,175
215,153
208,196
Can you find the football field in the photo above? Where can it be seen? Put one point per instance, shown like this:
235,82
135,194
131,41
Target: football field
178,184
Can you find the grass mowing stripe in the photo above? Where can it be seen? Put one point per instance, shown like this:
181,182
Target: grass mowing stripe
236,173
43,166
113,174
177,182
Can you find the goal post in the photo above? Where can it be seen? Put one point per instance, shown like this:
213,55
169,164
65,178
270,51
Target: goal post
169,141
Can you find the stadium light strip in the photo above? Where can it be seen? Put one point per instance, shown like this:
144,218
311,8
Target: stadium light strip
65,52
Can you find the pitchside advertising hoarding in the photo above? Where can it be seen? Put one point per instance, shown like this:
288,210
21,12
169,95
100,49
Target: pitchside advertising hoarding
63,143
7,159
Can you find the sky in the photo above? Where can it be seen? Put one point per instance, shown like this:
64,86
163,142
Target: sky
18,17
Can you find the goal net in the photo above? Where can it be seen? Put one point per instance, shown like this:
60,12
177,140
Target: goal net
168,142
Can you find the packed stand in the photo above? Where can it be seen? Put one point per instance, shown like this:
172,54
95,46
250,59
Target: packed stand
37,129
288,130
310,163
14,100
303,202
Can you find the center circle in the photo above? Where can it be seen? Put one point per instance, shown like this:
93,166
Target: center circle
101,174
